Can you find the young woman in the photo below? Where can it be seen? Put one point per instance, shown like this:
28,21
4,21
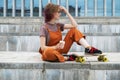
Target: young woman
50,35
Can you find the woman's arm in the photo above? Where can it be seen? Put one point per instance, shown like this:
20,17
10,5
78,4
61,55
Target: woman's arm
73,22
43,46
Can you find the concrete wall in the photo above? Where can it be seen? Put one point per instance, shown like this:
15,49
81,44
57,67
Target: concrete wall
74,74
22,34
59,71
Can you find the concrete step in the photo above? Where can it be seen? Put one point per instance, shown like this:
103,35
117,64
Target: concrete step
36,56
35,29
29,66
32,43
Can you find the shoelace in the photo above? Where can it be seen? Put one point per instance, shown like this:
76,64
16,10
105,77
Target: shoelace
92,50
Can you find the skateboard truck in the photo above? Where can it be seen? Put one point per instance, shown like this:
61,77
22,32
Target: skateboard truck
102,58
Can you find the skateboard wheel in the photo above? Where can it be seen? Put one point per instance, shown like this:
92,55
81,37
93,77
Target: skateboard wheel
81,60
105,59
77,59
99,58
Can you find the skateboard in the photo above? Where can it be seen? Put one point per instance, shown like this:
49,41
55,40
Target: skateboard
100,57
82,58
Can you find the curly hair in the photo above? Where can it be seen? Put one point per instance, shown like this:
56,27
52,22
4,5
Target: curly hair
49,10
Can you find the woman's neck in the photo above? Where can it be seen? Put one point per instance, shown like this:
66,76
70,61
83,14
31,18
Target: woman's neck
51,22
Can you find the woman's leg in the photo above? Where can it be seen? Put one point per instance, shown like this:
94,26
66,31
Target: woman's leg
73,35
84,43
52,55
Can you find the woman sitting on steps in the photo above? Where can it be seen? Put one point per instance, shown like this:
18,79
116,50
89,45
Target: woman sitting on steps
51,42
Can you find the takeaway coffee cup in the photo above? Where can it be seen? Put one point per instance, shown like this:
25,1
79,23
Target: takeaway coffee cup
62,43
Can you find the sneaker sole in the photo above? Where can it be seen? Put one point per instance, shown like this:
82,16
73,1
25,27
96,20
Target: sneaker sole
96,54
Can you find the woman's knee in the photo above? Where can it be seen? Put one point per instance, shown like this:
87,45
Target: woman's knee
73,30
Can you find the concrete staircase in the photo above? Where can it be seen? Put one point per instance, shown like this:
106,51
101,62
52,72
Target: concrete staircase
22,34
20,60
